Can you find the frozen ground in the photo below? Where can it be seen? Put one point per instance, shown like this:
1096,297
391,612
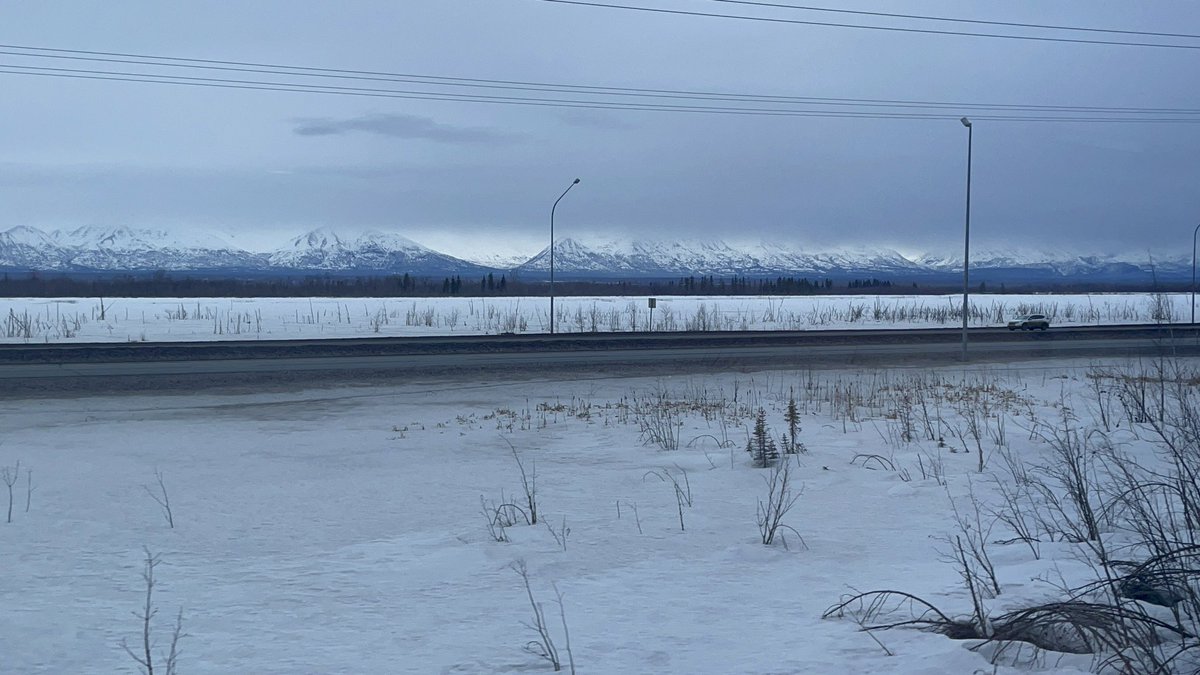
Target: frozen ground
144,319
341,531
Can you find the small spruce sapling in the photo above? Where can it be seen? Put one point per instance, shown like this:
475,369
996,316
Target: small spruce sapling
792,444
761,446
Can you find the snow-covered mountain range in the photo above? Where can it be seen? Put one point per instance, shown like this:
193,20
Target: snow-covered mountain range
123,249
116,249
682,258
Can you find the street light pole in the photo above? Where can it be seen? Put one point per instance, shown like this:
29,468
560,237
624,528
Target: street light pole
552,209
967,242
1194,233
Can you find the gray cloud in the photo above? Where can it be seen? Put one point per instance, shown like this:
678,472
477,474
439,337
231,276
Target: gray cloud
77,151
591,119
398,126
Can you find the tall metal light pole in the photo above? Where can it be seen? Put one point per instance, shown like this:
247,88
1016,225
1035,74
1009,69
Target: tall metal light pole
552,208
967,242
1194,233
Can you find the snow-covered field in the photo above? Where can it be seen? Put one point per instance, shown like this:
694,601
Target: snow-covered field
160,319
361,529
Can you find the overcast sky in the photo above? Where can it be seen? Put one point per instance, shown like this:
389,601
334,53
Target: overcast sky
258,167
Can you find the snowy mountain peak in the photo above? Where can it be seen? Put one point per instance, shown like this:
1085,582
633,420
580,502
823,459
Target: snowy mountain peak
373,251
389,241
319,239
122,238
23,235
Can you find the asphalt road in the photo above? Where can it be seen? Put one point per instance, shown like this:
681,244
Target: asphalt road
666,351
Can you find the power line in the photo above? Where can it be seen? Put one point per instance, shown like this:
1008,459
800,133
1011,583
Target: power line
159,61
922,17
893,29
224,83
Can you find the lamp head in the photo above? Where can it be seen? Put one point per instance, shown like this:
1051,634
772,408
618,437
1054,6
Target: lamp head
966,122
576,182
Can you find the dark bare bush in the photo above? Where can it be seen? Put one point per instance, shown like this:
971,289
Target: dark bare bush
1141,613
9,475
974,411
637,519
873,462
500,517
544,646
560,535
972,544
1165,401
28,488
528,483
659,419
162,498
932,467
1114,632
144,657
781,497
1068,484
683,491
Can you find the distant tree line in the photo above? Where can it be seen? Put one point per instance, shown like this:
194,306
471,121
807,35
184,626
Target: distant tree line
743,285
873,283
162,284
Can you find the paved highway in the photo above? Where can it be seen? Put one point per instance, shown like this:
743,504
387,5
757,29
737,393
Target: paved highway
526,352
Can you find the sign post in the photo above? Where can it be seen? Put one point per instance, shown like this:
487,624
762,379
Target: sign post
651,303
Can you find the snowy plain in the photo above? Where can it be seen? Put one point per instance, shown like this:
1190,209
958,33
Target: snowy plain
193,319
344,529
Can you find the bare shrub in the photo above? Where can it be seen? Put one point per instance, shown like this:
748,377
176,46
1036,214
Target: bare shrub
1013,510
9,476
1087,490
1101,389
974,549
636,518
683,492
873,462
544,647
1165,400
28,488
500,517
973,410
1119,634
1162,310
932,467
560,535
1067,484
528,483
162,498
145,656
659,419
962,559
780,499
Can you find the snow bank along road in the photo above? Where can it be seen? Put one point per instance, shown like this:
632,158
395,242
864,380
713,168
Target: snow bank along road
590,350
